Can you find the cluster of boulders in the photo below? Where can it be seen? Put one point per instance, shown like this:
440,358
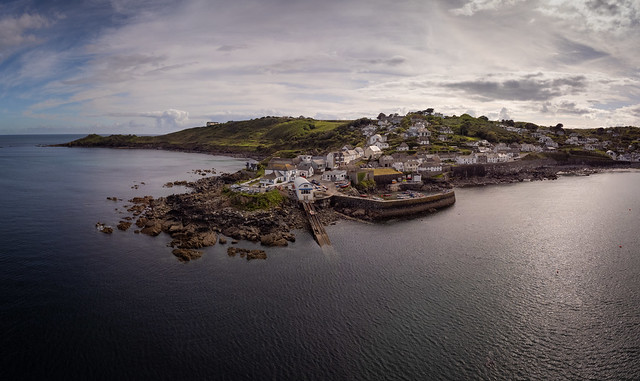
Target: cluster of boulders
205,217
248,253
104,228
204,172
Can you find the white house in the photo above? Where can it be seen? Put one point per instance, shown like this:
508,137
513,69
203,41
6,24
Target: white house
304,189
369,130
378,141
372,152
466,159
305,169
411,166
403,147
282,169
335,175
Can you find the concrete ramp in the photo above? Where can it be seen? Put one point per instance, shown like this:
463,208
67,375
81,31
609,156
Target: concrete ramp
317,228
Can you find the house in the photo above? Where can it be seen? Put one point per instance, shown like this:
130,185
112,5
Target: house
304,189
372,152
445,130
270,179
411,165
432,164
386,161
443,138
466,159
403,147
305,169
319,164
335,175
378,140
212,124
369,130
340,158
283,169
423,140
423,132
359,151
398,166
525,147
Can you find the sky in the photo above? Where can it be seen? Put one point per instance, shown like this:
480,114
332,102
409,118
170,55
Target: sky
152,67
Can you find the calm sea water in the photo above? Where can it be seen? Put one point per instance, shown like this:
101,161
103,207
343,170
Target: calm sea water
535,280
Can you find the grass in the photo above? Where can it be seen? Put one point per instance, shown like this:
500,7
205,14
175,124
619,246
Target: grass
385,171
259,201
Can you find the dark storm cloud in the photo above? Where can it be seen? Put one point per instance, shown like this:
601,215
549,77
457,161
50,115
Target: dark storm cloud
526,88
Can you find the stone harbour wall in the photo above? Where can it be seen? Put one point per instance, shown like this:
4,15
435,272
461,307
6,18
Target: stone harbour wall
370,209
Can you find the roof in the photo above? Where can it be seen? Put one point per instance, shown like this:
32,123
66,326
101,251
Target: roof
270,176
281,166
300,182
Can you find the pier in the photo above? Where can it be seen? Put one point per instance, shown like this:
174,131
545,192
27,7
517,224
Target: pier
317,228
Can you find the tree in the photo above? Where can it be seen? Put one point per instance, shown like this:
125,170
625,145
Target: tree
531,127
381,116
559,126
429,111
483,118
464,127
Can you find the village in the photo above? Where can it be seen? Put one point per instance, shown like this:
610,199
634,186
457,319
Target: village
398,153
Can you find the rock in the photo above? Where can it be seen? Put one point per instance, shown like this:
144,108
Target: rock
222,240
233,242
104,228
256,254
175,227
142,221
185,255
359,213
273,239
250,254
289,237
124,225
152,228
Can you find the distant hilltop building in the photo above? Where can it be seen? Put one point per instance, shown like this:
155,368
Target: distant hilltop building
211,124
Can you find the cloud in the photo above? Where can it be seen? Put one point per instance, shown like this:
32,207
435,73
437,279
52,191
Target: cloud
474,6
171,118
615,16
571,52
231,48
504,114
17,31
525,88
564,107
393,61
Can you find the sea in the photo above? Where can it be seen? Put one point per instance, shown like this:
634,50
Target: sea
536,280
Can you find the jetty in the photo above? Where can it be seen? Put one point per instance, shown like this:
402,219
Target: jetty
317,228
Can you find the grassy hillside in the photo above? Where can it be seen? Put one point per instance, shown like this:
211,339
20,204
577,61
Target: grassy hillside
263,136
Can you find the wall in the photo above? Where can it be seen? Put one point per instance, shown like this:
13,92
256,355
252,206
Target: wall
378,210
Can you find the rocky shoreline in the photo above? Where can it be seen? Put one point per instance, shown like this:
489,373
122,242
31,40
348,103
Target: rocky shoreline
206,216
